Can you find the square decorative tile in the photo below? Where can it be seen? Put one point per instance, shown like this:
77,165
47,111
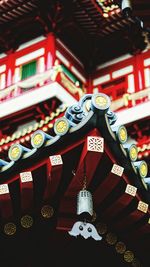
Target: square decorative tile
142,206
95,144
56,160
118,170
131,190
26,177
4,189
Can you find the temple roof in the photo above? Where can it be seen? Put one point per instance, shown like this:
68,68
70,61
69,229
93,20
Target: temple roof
84,141
86,27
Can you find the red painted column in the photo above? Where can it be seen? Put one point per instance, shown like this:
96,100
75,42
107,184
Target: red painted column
50,51
10,68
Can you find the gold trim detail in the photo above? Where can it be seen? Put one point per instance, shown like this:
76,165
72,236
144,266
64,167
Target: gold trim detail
70,86
33,128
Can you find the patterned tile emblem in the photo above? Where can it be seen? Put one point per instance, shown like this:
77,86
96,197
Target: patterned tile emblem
131,190
56,160
95,144
142,206
118,170
4,189
26,177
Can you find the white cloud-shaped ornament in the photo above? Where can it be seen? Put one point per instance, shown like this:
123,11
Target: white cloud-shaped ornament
86,230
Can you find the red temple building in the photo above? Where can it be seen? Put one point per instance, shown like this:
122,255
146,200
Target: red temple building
75,133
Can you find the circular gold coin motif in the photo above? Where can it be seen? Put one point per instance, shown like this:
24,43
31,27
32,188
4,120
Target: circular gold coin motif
123,134
120,247
143,169
101,228
15,152
37,139
101,101
47,211
128,256
10,228
111,238
133,153
61,126
26,221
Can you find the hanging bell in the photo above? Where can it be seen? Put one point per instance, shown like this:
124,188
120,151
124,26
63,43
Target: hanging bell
84,204
84,210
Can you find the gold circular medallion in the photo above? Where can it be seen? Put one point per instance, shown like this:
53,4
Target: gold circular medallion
47,211
10,228
143,169
128,256
15,152
61,126
26,221
101,228
133,153
111,238
101,101
122,134
120,247
37,139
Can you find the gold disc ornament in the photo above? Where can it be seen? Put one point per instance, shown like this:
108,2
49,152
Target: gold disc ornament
128,256
26,221
10,228
47,211
120,247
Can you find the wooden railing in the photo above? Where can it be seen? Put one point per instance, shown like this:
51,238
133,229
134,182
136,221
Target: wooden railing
130,100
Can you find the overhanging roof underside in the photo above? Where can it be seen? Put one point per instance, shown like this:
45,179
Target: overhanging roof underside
121,197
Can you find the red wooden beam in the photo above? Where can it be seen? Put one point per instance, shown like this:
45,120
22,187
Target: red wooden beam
6,208
26,190
133,217
108,184
90,157
141,230
54,172
122,202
